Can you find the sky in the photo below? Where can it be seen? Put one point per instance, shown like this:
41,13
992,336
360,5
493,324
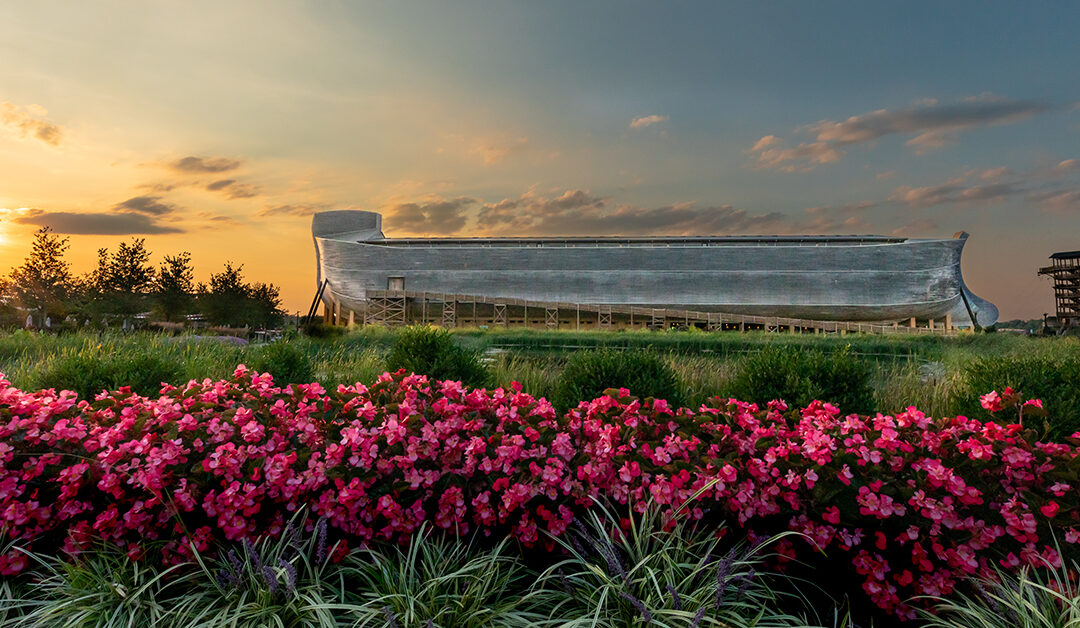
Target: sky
220,128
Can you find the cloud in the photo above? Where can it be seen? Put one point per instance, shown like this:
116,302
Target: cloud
926,118
806,156
204,165
835,218
498,150
233,189
766,142
993,174
576,212
933,125
955,191
438,216
158,188
30,121
572,213
95,223
220,185
1065,167
882,176
991,193
916,226
151,205
1050,188
217,220
641,122
931,141
1058,201
299,209
521,215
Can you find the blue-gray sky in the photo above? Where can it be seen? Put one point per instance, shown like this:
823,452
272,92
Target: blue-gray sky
219,127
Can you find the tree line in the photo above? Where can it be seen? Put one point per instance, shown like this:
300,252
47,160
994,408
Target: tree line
125,284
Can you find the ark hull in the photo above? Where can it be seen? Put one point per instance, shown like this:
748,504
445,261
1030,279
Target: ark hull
842,278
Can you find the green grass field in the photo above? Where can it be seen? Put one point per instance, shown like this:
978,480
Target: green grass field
938,375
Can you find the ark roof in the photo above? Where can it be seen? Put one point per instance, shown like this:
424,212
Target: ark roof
639,241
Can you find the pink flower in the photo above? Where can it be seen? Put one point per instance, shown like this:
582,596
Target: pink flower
991,401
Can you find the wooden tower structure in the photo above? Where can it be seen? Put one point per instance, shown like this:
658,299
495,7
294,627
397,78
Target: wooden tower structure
1064,271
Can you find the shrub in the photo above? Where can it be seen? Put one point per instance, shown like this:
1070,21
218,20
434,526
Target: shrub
1055,381
431,351
287,361
911,504
800,376
87,372
588,374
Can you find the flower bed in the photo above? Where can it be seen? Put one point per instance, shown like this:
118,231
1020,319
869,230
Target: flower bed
913,504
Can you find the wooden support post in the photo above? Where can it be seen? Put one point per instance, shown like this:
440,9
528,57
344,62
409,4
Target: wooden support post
352,318
526,314
913,322
742,326
337,312
603,317
449,313
931,324
791,327
948,322
551,317
423,308
577,320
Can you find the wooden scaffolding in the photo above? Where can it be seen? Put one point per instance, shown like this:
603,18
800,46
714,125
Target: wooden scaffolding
1064,271
398,307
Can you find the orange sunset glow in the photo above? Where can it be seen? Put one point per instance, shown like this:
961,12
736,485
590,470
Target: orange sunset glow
220,129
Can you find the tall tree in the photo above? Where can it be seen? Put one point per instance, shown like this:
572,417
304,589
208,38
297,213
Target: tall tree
175,289
266,302
44,280
122,282
229,300
224,300
130,271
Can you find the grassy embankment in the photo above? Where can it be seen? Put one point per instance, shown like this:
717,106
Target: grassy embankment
937,375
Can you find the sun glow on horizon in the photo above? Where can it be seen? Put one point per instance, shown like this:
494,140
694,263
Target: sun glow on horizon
5,223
